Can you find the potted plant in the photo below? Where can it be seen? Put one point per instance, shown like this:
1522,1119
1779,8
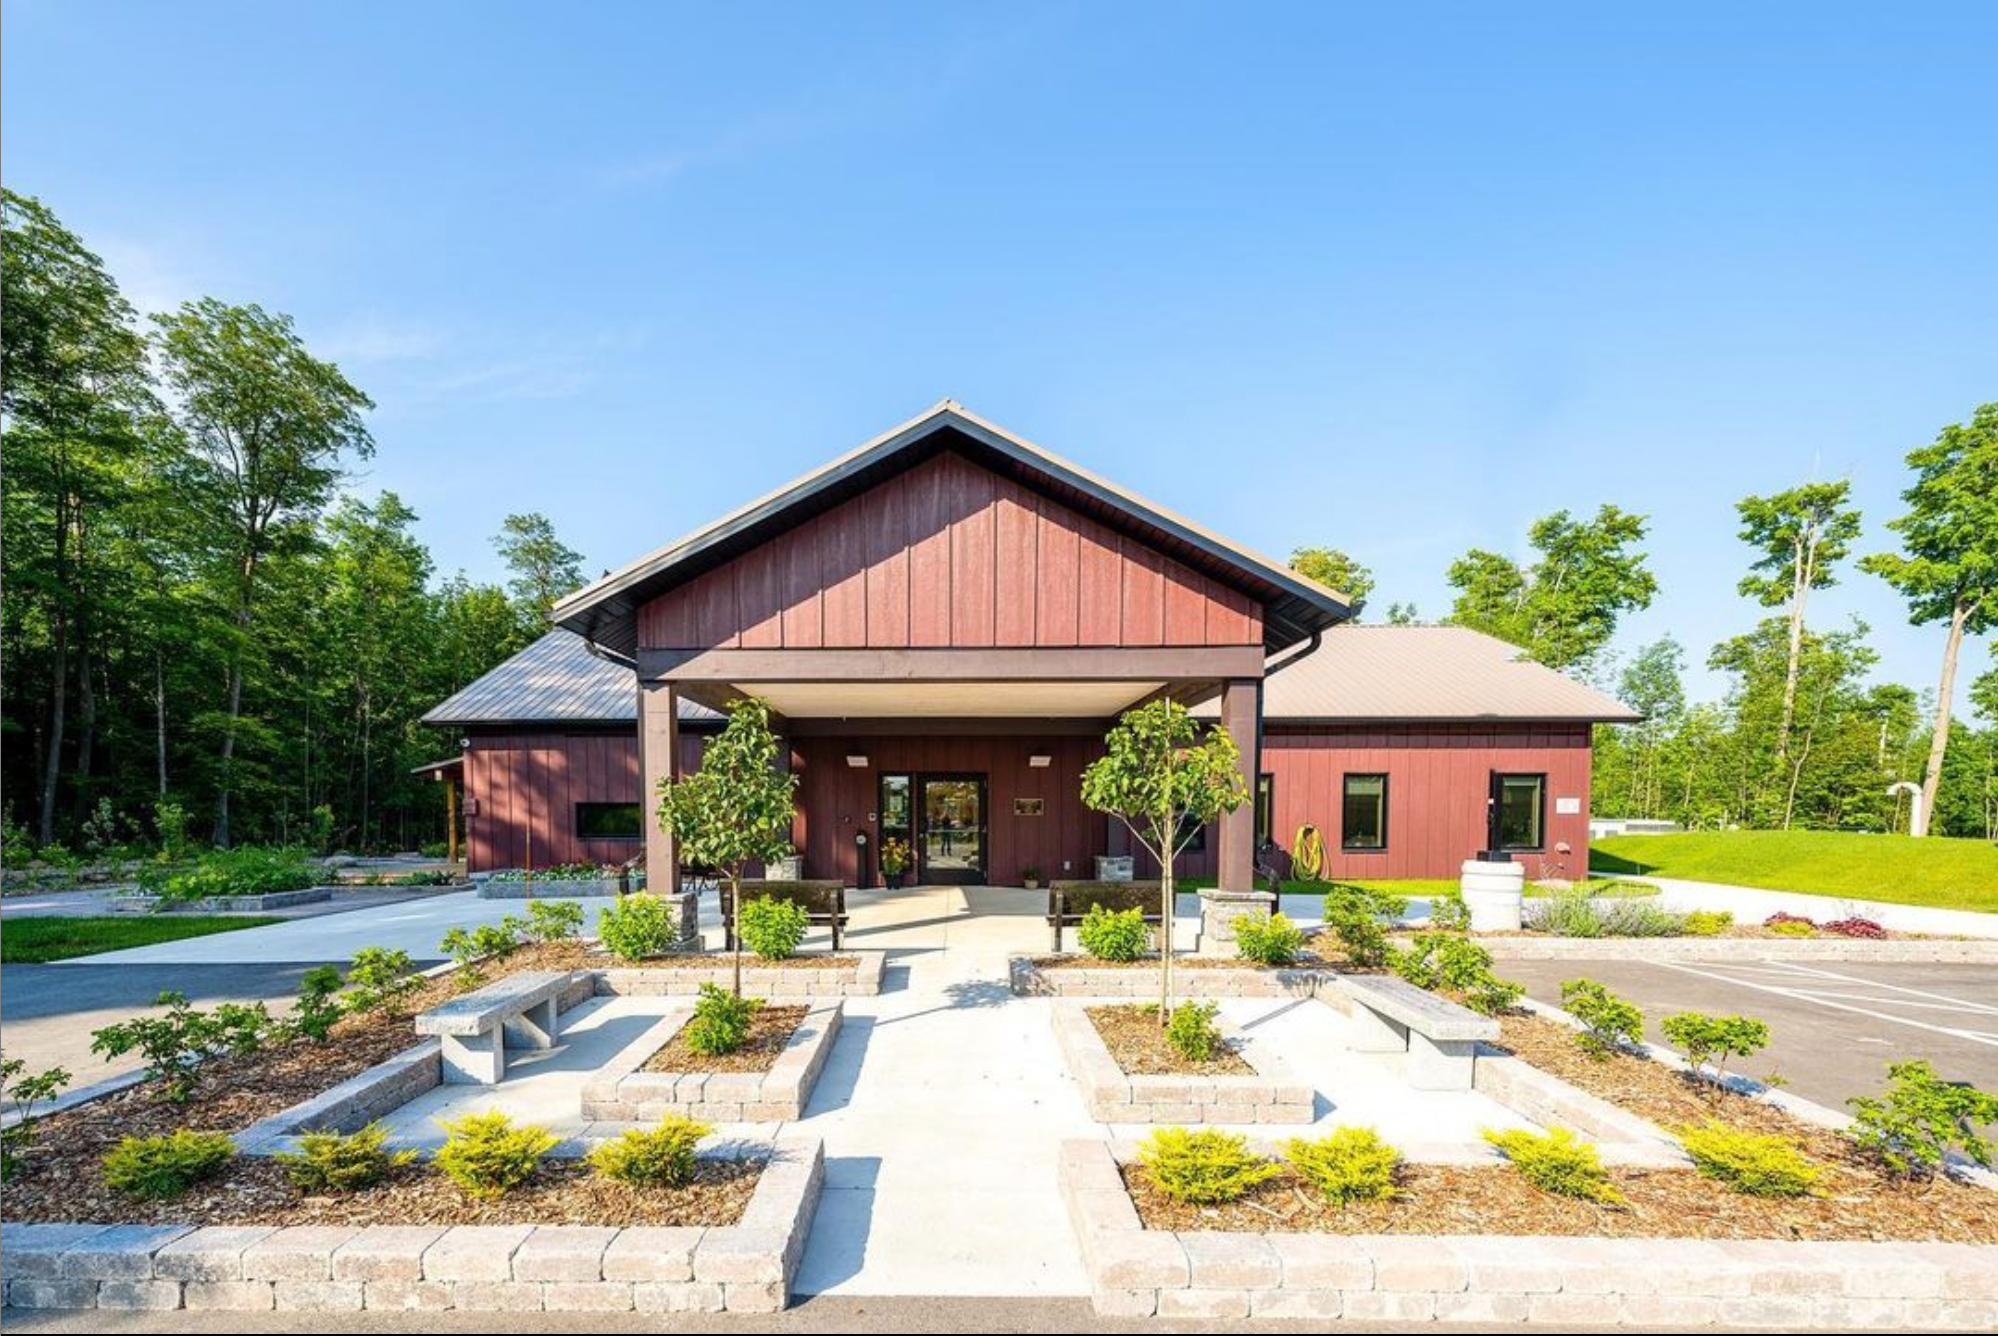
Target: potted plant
1030,877
894,861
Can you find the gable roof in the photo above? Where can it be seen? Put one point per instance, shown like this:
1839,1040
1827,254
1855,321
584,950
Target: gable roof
555,680
1362,673
1293,606
1358,674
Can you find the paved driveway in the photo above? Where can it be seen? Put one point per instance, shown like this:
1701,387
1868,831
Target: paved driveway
1833,1028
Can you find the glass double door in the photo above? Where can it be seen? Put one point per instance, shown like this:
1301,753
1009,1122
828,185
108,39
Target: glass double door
942,819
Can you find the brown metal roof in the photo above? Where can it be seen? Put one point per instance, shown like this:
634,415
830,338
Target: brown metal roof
1293,606
1364,673
1358,674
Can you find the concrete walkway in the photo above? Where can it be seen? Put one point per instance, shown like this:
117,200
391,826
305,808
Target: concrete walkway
1751,904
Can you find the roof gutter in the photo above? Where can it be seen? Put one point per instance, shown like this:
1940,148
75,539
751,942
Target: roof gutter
1292,655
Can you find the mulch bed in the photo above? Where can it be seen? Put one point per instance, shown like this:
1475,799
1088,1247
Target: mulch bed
60,1175
1661,1203
769,1031
255,1191
1135,1040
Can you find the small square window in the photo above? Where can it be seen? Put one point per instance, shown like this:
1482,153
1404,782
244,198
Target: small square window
1364,814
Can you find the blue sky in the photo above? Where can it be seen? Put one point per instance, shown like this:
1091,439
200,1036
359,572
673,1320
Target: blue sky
1398,278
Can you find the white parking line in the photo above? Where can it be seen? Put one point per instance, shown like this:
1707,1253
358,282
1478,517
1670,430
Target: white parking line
1804,995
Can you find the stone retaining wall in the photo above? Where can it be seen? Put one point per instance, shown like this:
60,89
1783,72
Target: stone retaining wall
1572,1283
1031,980
746,1267
1847,950
548,888
861,979
222,904
622,1093
1274,1094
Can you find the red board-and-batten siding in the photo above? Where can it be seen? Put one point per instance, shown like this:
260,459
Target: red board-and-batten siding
524,781
949,555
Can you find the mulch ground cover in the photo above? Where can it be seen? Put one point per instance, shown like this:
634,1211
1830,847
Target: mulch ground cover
769,1030
1135,1040
1151,962
712,960
1660,1203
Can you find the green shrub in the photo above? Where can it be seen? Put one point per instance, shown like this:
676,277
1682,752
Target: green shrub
1610,1022
721,1021
23,1094
554,920
1756,1165
1349,1164
559,872
157,1168
636,926
1577,916
329,1162
1449,913
245,871
469,949
1708,1041
429,877
1114,934
1448,963
1708,922
1558,1163
662,1157
488,1157
318,1005
173,1043
1192,1032
1204,1167
773,928
1358,916
380,979
1268,939
1920,1119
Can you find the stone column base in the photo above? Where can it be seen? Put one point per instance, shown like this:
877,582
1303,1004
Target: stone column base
1218,912
686,909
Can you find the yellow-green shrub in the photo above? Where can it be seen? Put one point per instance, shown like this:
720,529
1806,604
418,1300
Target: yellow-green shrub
488,1157
332,1162
157,1168
1760,1166
1556,1162
1202,1168
1349,1164
662,1157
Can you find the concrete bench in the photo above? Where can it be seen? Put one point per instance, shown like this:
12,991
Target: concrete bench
1439,1037
475,1028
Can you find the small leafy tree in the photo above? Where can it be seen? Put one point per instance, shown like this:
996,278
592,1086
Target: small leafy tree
1610,1023
1165,777
23,1093
737,808
1709,1041
1921,1118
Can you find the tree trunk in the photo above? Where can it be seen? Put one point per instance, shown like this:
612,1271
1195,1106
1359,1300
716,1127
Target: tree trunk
225,782
1800,589
58,712
160,719
735,917
1165,930
86,725
1939,743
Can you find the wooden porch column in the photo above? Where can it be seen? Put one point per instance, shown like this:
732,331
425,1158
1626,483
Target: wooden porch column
658,758
451,818
1241,715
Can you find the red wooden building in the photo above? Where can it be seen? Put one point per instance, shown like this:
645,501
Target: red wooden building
946,621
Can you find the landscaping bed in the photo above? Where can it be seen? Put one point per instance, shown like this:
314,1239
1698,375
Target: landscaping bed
1193,976
768,1079
769,1031
61,1176
1137,1044
221,904
848,974
1245,1084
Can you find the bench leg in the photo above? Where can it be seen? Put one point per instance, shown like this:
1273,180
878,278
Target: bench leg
477,1060
1367,1031
537,1026
1439,1064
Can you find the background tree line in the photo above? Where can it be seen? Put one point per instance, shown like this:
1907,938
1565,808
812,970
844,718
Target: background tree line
1803,736
199,626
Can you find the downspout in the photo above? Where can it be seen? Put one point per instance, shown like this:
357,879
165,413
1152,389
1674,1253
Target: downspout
610,655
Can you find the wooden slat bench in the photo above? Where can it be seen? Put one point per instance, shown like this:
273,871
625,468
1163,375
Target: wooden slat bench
475,1028
824,903
1070,901
1441,1039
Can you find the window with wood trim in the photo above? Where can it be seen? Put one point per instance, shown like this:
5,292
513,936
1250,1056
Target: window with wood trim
608,821
1364,814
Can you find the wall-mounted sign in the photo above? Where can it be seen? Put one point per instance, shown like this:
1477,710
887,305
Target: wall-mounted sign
1567,807
1028,806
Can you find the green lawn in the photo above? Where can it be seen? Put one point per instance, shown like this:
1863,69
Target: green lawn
1414,888
36,941
1944,874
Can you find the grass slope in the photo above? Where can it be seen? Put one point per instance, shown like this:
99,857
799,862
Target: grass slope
1943,874
37,941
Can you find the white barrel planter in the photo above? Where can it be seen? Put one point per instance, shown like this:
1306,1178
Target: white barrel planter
1494,893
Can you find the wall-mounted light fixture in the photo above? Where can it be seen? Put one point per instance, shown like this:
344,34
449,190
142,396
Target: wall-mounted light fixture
1040,760
857,762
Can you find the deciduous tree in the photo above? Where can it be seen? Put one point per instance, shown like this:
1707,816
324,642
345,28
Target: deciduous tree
1563,607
